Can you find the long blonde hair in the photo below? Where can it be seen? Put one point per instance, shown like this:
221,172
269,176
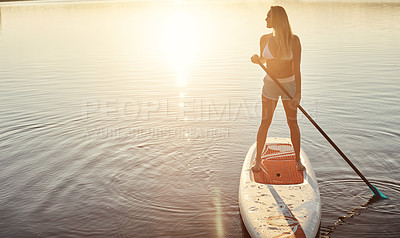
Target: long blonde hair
282,31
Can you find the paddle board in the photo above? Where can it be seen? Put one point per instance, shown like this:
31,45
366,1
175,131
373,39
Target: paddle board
279,201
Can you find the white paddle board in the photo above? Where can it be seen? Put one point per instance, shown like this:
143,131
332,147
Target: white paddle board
279,201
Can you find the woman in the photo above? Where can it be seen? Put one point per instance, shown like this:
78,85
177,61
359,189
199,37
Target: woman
281,51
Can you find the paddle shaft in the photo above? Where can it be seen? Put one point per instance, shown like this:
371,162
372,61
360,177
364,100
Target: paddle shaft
374,190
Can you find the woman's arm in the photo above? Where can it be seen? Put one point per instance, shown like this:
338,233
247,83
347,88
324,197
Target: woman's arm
263,42
296,68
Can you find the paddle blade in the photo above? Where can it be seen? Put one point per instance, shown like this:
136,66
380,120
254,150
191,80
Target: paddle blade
378,193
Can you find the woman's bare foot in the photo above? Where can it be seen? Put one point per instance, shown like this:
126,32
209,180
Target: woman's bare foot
256,167
300,166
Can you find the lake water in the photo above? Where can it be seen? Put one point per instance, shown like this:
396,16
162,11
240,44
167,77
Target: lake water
132,119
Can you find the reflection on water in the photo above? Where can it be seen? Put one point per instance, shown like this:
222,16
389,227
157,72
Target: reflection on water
349,214
133,118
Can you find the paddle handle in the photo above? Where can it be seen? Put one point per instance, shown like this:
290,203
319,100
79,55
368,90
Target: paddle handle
373,188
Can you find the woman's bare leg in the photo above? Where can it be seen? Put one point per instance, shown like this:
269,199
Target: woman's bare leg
268,108
291,116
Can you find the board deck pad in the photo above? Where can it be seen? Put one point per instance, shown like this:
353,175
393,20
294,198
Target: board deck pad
278,166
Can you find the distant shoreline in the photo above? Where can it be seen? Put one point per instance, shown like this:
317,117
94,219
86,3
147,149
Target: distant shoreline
15,0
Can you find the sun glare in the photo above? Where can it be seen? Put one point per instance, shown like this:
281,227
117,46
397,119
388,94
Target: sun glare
180,43
178,2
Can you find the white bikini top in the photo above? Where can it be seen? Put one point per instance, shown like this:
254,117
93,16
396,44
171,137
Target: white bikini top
267,53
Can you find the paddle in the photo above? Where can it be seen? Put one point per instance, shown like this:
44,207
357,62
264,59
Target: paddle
374,190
